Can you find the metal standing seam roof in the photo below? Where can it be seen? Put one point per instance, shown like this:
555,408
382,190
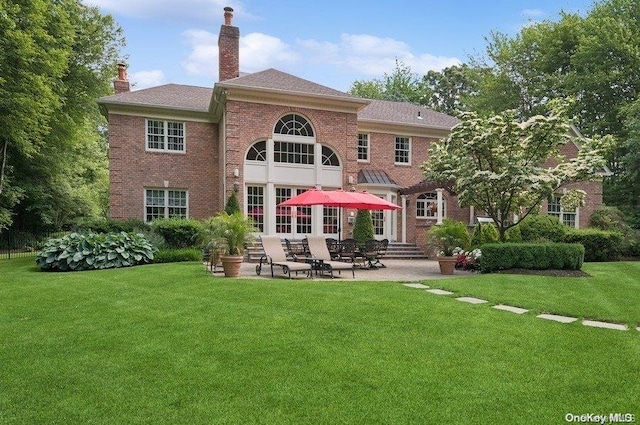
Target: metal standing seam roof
375,177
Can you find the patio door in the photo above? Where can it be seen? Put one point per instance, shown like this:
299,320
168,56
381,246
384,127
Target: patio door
292,222
385,222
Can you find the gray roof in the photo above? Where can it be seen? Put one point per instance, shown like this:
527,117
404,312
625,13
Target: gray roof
405,113
274,80
375,177
173,96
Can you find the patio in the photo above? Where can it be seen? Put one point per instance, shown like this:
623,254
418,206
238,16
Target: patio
396,270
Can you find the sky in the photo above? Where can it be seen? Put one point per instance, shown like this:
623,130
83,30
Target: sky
332,43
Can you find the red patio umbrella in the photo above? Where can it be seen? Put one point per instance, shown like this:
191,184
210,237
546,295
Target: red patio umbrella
341,199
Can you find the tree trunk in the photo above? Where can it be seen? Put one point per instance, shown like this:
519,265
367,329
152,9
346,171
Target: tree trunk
4,164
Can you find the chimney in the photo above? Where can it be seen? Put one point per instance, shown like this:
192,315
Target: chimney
121,85
228,48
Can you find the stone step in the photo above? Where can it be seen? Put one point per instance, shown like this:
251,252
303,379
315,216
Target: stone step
395,250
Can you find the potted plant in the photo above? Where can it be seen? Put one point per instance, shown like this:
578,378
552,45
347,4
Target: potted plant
446,237
232,231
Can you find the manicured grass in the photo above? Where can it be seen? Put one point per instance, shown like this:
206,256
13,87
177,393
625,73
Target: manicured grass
612,293
169,344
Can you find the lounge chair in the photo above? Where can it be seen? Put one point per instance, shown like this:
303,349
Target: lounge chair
274,255
320,253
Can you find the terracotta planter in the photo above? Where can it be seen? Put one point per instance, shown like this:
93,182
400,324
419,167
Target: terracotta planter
447,264
231,265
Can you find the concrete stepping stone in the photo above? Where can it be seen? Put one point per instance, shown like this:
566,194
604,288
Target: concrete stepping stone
471,300
638,328
439,291
416,285
605,325
516,310
556,318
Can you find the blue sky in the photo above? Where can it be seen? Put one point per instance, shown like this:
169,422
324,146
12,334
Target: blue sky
333,43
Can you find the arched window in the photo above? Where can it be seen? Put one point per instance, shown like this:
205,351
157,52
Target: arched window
257,151
294,125
427,205
329,157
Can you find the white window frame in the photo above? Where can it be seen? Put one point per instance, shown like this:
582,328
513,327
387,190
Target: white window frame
560,213
165,205
395,151
426,202
165,136
366,147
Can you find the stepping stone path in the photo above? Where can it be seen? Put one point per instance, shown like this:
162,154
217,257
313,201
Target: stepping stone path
556,318
516,310
439,291
471,300
605,325
416,285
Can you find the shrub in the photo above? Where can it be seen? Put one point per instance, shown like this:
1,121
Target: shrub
534,256
599,245
447,236
363,227
542,228
179,232
177,255
484,233
612,219
95,251
233,206
513,234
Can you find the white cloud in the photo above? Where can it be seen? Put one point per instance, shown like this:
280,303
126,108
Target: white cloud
257,52
533,13
370,55
145,79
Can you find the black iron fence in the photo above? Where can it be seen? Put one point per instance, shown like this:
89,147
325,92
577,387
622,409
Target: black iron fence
23,243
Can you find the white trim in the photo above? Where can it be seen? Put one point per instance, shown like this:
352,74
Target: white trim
165,136
368,160
395,151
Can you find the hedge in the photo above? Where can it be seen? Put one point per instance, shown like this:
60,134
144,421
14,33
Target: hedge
179,232
599,245
176,255
534,256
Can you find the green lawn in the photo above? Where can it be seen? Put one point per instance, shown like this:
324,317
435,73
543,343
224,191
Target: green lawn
169,344
612,293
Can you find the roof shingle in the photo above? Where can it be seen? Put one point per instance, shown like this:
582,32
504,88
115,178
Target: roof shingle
405,113
174,96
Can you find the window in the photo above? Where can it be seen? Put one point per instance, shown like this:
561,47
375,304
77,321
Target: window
257,151
403,150
329,157
363,147
283,214
554,208
255,205
330,220
294,125
427,205
165,203
303,217
165,135
293,153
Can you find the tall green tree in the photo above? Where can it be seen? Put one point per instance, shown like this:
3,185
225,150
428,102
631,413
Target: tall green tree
400,85
56,58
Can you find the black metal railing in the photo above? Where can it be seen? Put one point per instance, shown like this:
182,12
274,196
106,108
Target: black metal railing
16,243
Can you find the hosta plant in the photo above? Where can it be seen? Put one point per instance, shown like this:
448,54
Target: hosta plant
91,251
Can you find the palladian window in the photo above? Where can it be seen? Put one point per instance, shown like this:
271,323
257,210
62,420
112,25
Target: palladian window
257,151
294,125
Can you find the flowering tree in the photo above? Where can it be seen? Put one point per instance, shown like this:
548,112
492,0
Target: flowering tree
501,166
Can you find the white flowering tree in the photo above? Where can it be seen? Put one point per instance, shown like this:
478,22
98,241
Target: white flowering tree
506,168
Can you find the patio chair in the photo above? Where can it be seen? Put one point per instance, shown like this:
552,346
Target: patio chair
295,251
349,251
369,252
333,247
275,256
382,251
320,253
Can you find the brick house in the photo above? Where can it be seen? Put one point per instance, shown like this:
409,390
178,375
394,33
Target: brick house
177,150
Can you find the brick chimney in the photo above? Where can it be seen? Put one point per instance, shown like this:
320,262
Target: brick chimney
121,84
228,48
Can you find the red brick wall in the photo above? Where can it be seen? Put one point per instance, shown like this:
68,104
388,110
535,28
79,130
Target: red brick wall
132,169
248,122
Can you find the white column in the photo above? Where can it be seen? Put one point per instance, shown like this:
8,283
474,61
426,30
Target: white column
472,215
440,205
403,202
